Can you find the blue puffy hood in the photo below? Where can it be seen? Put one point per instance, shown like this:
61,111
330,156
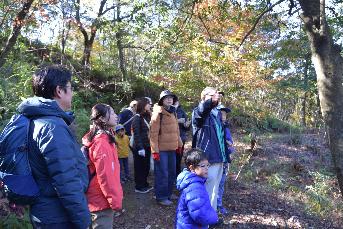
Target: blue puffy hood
186,177
38,106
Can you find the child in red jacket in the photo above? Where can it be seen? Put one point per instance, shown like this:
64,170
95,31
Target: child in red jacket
104,193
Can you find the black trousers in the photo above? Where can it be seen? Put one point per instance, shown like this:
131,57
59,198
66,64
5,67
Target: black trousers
179,161
141,168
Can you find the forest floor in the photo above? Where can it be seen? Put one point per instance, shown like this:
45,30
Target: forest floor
286,182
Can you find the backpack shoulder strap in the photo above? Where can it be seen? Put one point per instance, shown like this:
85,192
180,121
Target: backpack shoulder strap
161,115
125,123
29,141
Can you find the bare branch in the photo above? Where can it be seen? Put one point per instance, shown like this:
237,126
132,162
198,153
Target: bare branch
79,23
258,20
138,47
18,23
187,19
113,7
291,6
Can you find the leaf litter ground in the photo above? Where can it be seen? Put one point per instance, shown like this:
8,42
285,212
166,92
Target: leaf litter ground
278,185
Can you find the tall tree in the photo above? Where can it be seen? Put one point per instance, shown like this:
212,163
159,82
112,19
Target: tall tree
119,35
306,76
328,63
66,11
18,23
89,38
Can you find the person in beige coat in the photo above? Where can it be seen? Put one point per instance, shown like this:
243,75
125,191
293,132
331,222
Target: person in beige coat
165,142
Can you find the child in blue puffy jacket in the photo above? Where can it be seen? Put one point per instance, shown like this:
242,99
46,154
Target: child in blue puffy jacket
194,208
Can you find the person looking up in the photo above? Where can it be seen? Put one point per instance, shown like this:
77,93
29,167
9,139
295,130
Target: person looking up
209,135
141,145
104,193
165,141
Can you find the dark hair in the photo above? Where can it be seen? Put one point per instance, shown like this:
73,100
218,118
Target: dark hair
141,103
194,157
46,79
100,111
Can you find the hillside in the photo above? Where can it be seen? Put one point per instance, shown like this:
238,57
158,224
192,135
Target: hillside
281,185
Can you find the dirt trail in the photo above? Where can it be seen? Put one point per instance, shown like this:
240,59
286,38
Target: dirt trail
251,203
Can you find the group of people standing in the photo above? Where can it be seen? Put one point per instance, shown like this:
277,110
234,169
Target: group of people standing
160,132
77,190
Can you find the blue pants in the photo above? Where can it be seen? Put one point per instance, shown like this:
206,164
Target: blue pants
165,175
65,225
124,167
222,185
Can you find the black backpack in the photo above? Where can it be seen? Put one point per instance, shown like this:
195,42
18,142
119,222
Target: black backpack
18,184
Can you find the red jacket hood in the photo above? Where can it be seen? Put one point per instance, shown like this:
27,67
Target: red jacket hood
85,140
88,143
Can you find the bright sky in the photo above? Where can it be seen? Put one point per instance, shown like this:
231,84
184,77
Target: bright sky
48,31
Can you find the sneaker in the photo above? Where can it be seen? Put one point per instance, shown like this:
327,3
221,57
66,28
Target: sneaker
142,190
149,188
118,213
223,210
173,197
165,202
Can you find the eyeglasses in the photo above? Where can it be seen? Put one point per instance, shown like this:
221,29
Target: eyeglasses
204,166
72,88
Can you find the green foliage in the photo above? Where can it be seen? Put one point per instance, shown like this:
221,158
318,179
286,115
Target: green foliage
144,86
16,81
246,138
318,200
276,124
315,198
260,122
82,122
295,139
249,175
276,181
15,222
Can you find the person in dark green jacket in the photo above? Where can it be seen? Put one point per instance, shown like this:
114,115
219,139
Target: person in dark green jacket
57,164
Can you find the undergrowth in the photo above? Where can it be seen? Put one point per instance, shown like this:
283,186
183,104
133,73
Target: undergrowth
313,188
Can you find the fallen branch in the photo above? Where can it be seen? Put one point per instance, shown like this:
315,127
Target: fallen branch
247,161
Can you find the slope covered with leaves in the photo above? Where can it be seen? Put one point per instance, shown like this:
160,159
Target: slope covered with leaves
287,181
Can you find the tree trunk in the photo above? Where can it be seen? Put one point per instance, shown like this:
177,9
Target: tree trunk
87,53
303,118
88,41
66,14
17,25
328,64
121,55
304,102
